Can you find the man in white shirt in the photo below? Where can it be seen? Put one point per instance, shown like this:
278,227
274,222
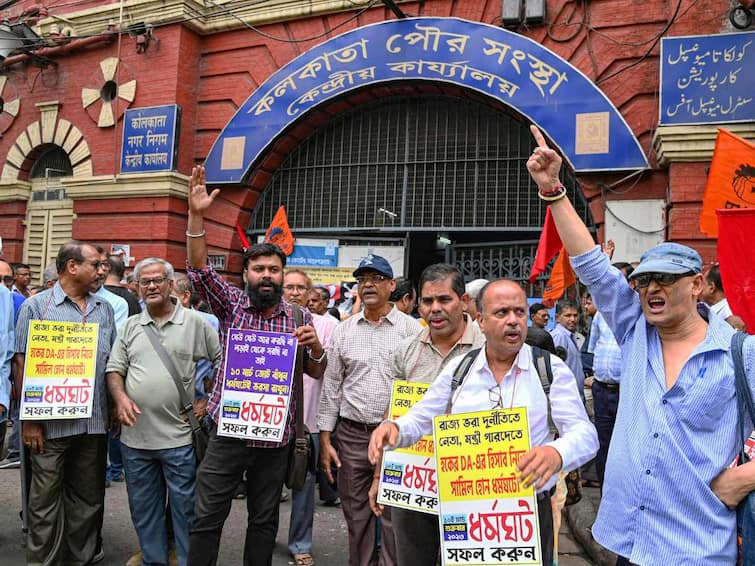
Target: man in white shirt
714,297
504,375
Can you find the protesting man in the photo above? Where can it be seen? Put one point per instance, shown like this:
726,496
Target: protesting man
669,494
156,440
258,307
296,290
355,395
503,374
449,333
68,456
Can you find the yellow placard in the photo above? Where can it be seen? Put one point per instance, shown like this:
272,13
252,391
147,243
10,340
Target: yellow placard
330,275
477,454
61,350
405,395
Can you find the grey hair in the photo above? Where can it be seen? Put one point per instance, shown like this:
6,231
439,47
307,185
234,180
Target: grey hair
50,273
146,262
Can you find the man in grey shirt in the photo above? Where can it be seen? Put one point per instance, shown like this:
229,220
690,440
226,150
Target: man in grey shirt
156,437
355,394
449,333
68,456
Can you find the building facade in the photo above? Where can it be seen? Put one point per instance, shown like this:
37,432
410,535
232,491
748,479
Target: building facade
379,154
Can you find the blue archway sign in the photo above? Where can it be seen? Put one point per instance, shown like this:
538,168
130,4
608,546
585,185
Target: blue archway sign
575,114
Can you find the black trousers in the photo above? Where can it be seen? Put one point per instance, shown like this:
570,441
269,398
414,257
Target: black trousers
217,478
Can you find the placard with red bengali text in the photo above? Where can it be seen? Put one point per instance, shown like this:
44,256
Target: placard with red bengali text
257,384
59,370
407,478
486,516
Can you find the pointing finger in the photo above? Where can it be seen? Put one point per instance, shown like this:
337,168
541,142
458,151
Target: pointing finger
538,137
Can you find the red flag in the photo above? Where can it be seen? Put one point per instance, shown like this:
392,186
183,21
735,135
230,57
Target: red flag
731,179
279,232
549,244
561,278
242,235
736,257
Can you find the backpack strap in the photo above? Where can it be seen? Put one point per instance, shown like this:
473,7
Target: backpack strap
542,360
298,380
460,373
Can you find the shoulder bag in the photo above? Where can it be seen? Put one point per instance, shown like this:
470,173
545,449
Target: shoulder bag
300,459
199,436
746,508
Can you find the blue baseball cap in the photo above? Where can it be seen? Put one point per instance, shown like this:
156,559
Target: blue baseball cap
669,257
374,263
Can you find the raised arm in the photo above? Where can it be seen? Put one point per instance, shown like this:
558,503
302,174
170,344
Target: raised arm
544,166
199,202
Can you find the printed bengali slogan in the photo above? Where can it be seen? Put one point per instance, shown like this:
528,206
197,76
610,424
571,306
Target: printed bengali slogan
59,370
408,478
486,516
257,384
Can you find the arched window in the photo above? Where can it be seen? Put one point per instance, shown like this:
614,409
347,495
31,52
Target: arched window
53,161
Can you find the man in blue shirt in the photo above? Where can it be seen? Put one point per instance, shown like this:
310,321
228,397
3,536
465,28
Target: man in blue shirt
669,495
563,335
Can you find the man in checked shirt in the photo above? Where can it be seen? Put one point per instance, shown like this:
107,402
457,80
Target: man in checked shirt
258,307
355,395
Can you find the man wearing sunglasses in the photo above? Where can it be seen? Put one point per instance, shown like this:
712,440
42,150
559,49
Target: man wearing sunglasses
669,495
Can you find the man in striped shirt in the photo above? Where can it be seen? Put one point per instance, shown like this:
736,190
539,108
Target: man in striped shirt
355,396
66,498
258,307
669,495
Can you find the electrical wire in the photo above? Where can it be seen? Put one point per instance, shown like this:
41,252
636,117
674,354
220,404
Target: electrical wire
648,52
305,40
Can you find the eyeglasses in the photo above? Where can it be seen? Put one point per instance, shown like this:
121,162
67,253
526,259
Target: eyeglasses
496,396
373,278
8,279
96,264
144,283
663,279
299,288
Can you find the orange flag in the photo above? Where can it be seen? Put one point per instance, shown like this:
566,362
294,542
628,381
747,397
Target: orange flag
561,278
731,180
279,232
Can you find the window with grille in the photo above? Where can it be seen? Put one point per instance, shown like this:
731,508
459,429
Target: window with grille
418,163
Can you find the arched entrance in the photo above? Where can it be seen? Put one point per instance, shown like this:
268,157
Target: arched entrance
327,137
444,174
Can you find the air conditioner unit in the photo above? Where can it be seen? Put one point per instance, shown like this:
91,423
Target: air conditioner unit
512,12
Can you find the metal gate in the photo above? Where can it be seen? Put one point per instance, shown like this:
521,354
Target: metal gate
493,260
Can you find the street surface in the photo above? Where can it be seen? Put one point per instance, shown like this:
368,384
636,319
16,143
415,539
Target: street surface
330,548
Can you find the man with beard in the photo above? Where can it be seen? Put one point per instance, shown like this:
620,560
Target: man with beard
449,333
258,307
355,396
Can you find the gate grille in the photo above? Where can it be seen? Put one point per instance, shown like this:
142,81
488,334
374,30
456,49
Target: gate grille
412,163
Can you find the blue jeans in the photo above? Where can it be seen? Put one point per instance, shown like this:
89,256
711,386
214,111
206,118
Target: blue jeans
148,474
303,510
115,467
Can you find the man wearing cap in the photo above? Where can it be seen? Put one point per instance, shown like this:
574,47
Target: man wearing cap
355,395
669,494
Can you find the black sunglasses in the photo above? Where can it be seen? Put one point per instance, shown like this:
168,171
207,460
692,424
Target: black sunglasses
663,279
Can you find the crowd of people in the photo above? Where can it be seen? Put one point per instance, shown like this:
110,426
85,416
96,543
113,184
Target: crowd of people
654,356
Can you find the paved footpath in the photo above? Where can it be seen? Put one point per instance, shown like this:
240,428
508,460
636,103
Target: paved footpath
120,540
